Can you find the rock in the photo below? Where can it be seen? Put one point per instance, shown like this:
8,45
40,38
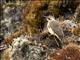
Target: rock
22,49
69,24
11,19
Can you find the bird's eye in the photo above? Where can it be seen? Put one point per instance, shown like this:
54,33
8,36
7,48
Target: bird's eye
74,26
49,18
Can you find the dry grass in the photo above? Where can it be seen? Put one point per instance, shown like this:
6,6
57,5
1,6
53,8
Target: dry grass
33,14
29,16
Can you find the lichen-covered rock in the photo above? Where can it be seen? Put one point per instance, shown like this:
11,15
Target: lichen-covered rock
23,49
11,19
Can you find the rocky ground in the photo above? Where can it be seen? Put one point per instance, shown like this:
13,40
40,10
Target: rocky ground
24,34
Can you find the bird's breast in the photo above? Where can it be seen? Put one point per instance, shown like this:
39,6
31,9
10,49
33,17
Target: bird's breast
50,29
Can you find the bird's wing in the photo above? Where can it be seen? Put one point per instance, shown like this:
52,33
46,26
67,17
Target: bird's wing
57,29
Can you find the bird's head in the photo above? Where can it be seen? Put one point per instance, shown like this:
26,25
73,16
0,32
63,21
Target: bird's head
50,18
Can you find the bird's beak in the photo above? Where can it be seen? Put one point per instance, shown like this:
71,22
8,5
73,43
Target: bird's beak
44,16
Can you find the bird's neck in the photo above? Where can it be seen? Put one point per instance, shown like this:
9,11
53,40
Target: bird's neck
49,22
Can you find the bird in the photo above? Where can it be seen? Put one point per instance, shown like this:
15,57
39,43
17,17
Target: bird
55,29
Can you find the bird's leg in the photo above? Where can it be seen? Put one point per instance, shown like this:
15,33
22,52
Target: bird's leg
56,41
59,42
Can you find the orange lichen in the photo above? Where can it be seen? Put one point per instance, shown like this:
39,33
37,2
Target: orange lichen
76,30
6,55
